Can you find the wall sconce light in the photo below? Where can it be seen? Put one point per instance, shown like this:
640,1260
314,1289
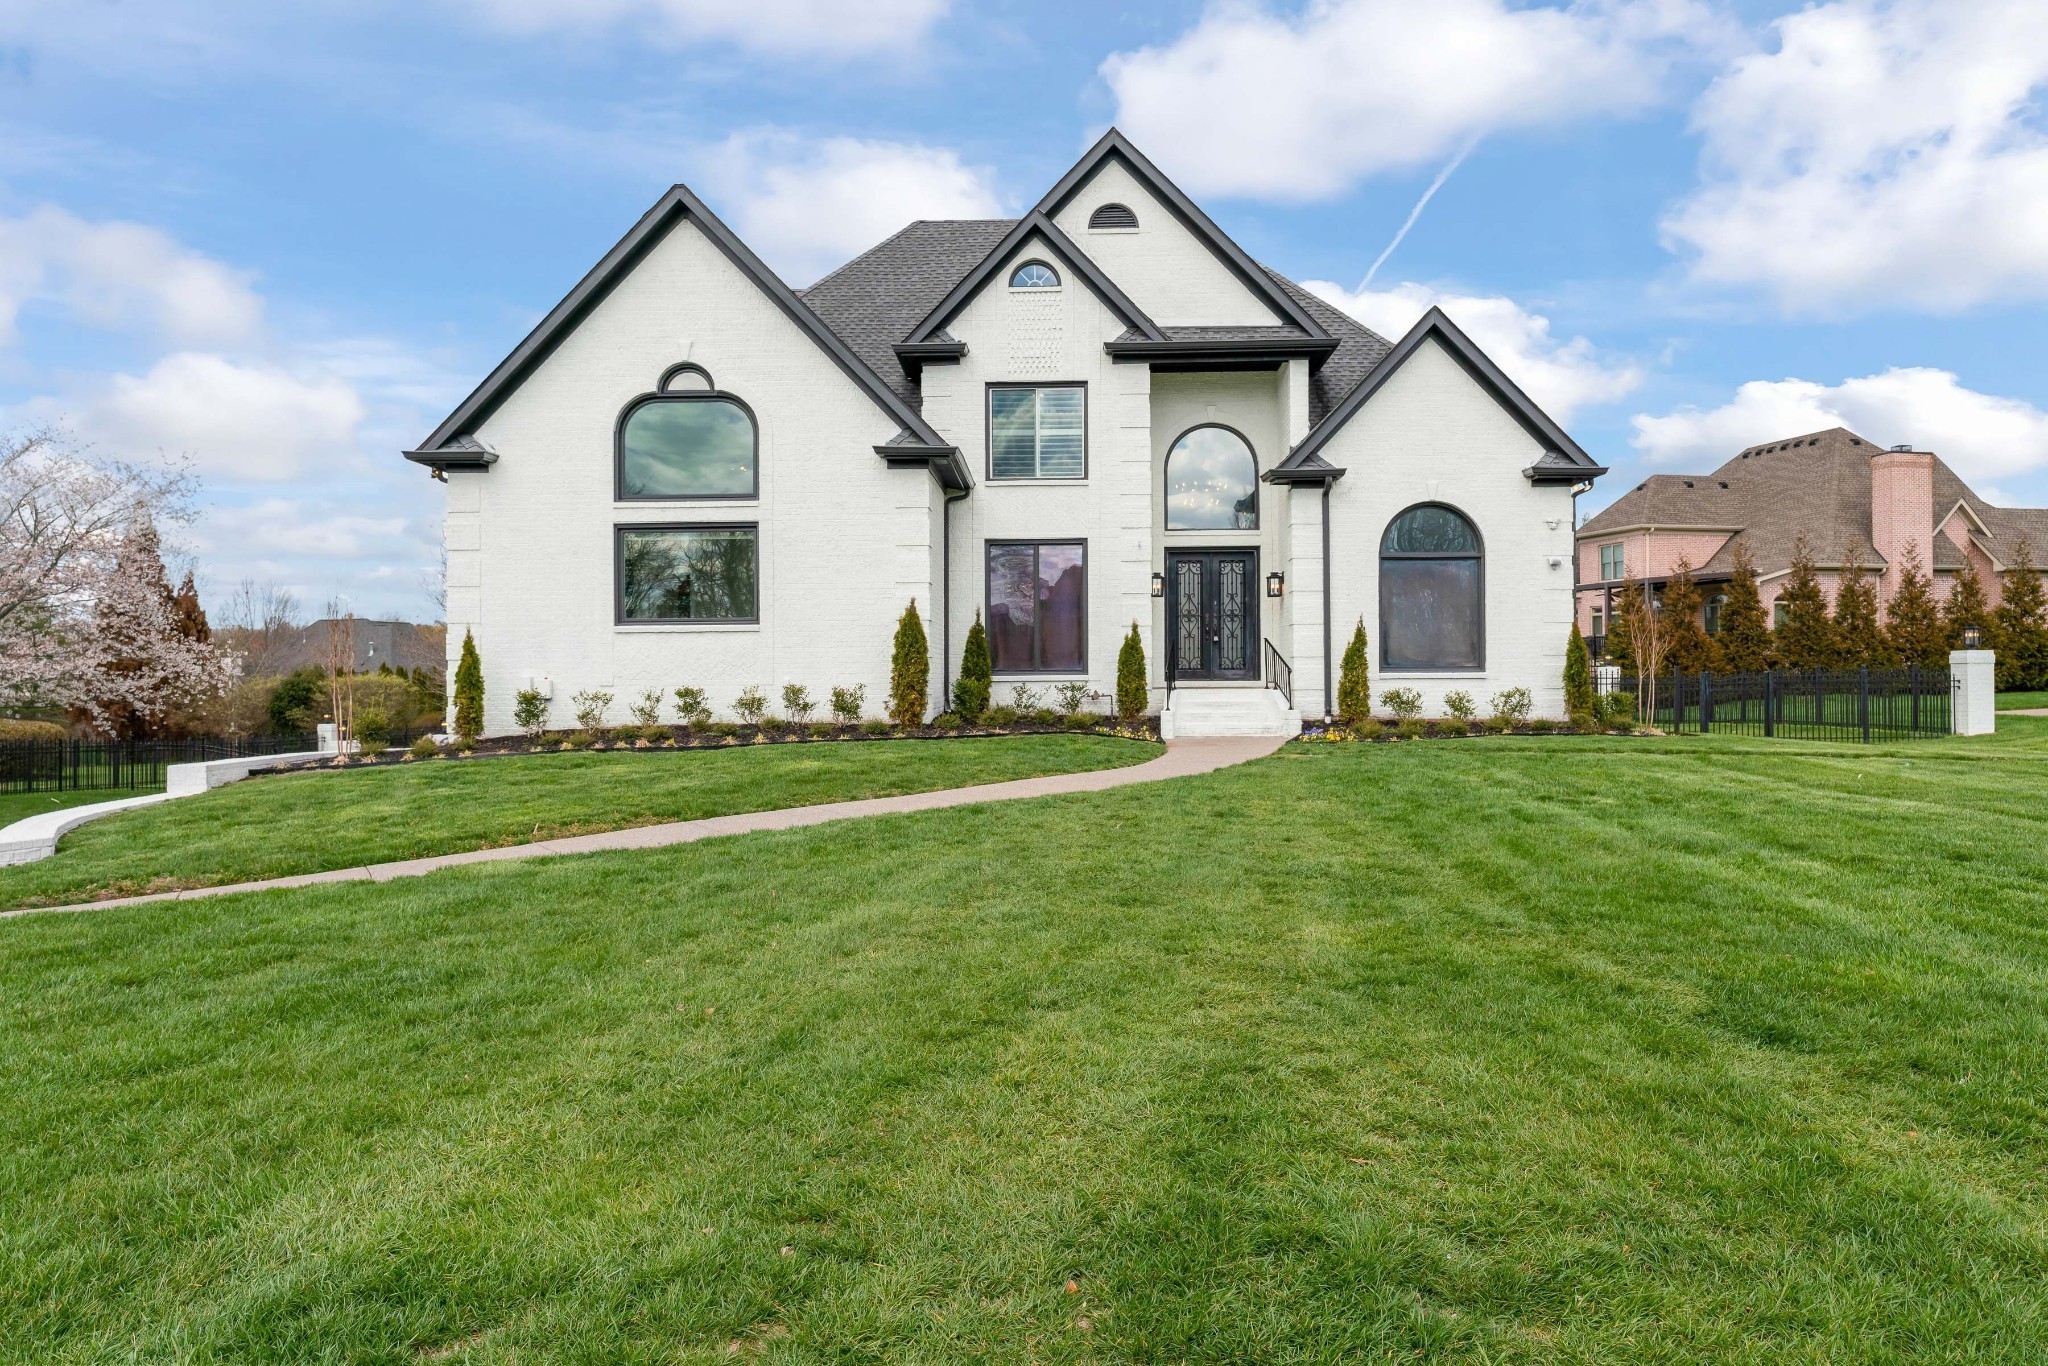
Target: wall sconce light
1972,637
1275,583
1159,585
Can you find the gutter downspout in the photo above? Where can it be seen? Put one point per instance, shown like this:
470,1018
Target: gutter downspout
946,598
1328,711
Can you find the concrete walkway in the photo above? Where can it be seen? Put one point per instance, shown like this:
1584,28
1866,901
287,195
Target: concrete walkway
2025,711
1183,759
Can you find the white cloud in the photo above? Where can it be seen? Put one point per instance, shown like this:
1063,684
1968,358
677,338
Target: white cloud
1882,155
234,419
1302,107
281,531
777,26
808,205
121,276
1562,376
1982,436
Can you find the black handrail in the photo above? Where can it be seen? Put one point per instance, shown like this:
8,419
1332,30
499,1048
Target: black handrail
1279,673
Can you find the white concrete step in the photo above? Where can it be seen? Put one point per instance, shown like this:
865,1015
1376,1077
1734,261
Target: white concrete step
1195,710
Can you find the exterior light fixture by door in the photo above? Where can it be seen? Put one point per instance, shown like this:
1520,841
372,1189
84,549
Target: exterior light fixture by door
1159,585
1972,637
1276,583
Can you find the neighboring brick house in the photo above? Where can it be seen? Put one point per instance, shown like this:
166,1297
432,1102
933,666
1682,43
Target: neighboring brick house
1854,502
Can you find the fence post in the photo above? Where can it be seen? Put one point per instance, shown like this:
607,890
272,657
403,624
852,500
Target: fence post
1770,691
1677,701
1706,702
1863,699
1913,682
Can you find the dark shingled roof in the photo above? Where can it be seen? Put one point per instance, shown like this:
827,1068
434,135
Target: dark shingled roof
876,299
1817,483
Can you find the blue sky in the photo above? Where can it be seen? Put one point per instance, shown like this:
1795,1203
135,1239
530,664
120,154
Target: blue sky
282,240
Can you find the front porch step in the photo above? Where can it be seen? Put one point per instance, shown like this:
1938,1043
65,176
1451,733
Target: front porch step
1197,710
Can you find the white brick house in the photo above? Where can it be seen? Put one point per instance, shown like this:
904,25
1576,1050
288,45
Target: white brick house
1098,414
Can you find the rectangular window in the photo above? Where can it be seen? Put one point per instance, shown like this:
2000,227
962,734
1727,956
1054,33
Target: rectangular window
1779,615
1037,431
688,573
1612,564
1037,607
1599,623
1712,617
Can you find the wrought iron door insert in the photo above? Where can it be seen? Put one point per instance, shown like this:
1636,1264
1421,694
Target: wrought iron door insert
1212,613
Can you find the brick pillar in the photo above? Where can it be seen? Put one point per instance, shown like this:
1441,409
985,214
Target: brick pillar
1901,512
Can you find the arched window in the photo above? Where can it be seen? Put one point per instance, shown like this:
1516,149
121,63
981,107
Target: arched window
685,378
1212,482
1113,216
1431,586
1034,275
689,444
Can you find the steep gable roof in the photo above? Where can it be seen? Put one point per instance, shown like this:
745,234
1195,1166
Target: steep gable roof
443,448
1033,225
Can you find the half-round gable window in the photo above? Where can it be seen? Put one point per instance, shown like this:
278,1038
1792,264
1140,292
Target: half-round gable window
1113,216
1431,591
1034,275
688,445
1212,482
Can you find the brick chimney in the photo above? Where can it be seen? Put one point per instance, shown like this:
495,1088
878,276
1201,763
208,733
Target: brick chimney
1901,511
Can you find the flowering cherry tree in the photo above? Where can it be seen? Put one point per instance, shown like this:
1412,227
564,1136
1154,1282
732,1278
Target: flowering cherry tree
87,621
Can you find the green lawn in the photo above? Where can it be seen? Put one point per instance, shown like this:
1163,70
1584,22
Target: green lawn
2015,700
15,806
1501,1050
308,823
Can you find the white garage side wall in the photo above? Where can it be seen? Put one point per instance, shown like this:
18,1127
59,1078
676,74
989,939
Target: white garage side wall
1054,336
1434,434
1165,268
844,542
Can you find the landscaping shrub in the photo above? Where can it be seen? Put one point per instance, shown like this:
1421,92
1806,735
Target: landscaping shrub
910,669
31,730
647,710
848,702
469,691
1542,725
372,727
690,708
948,720
1071,697
371,749
1460,706
725,728
1511,706
424,748
977,672
1079,720
1354,682
1585,722
1131,687
1618,710
1024,698
581,739
1403,704
770,724
1368,728
1045,716
797,703
999,716
751,706
2021,622
1578,673
824,729
295,703
530,712
1412,729
874,727
655,734
590,708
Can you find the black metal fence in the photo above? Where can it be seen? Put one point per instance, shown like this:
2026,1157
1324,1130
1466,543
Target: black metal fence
125,765
1807,704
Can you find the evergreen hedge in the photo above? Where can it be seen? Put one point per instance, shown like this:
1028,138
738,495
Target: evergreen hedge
910,670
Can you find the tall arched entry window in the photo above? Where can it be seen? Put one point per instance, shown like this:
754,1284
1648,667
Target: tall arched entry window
1212,482
1432,613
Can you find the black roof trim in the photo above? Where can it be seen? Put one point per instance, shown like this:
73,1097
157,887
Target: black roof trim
1262,352
673,207
1314,470
1543,473
914,356
945,463
1563,457
1114,146
1033,224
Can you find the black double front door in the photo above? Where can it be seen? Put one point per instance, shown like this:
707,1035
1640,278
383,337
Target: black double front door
1212,613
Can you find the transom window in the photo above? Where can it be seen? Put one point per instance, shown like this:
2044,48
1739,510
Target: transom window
1431,613
1038,606
1212,482
1034,275
1612,563
1037,431
688,445
685,378
688,573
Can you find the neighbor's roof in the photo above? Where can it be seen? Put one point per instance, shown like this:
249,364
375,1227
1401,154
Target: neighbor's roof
1818,484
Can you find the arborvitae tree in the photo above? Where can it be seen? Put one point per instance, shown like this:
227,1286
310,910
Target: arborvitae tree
910,670
1966,607
1745,638
469,691
1620,647
186,613
977,673
1690,649
1859,635
1132,688
1912,624
1354,681
1807,639
2022,618
1578,676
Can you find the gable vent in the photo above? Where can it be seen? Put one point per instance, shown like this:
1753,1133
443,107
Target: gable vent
1113,216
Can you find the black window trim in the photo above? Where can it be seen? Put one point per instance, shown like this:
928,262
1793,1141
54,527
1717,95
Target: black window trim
987,602
619,617
1059,281
1479,555
988,431
1166,479
619,494
687,367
